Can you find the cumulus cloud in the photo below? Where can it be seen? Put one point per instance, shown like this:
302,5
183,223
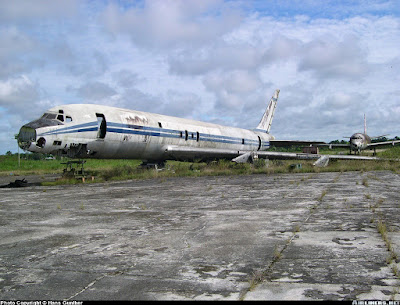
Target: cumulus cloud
213,60
16,52
222,56
330,58
24,11
18,92
94,91
162,23
231,88
126,79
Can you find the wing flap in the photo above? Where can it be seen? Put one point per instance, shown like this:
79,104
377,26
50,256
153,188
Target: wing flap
182,153
288,143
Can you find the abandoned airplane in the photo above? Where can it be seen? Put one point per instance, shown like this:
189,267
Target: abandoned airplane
103,132
361,141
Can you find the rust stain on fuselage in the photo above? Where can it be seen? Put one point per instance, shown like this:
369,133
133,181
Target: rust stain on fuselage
135,119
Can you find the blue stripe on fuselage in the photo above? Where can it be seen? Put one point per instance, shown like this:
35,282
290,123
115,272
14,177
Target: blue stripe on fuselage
153,131
92,126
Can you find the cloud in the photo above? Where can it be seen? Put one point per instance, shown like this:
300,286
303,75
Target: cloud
26,11
17,93
329,58
222,56
181,104
218,61
165,23
94,91
126,79
16,52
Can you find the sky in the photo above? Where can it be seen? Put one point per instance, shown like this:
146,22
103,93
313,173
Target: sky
210,60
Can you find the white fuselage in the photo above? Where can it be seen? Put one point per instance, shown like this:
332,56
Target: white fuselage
96,131
359,141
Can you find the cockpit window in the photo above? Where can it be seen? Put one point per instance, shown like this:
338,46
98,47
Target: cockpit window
68,119
49,116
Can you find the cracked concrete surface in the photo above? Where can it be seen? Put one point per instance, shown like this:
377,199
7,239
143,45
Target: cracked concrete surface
278,237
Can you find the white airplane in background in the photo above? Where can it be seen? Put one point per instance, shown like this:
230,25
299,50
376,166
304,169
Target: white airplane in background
103,132
361,141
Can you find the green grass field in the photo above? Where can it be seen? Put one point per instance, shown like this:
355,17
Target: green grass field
105,170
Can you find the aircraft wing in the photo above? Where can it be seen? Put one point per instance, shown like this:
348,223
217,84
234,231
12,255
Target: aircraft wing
183,152
288,143
384,143
377,137
334,145
180,153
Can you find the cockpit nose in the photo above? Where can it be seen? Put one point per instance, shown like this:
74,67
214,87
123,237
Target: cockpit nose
26,136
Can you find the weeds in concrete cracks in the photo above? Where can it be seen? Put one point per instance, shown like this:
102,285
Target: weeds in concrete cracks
365,182
322,195
337,177
392,258
257,278
395,270
394,293
277,253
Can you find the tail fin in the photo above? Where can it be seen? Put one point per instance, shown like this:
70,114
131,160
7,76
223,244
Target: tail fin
266,120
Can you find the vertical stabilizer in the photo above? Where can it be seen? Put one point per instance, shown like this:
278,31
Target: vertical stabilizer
266,120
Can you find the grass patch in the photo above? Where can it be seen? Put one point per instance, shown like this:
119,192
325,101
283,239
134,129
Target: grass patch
322,195
108,170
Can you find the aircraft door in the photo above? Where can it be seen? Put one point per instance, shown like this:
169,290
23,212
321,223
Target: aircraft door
259,143
102,126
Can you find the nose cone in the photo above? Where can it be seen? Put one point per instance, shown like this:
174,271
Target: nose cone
26,136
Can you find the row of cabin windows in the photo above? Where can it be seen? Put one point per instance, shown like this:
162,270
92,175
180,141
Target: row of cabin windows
191,134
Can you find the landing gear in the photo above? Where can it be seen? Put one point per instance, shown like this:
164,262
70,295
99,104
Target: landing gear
152,165
74,169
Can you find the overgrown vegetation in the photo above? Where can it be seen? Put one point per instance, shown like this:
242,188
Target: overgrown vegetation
106,170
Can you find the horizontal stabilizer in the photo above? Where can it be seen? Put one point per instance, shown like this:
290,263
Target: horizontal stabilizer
242,158
322,162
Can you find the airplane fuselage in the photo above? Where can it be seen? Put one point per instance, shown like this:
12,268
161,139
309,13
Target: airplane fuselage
96,131
359,141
